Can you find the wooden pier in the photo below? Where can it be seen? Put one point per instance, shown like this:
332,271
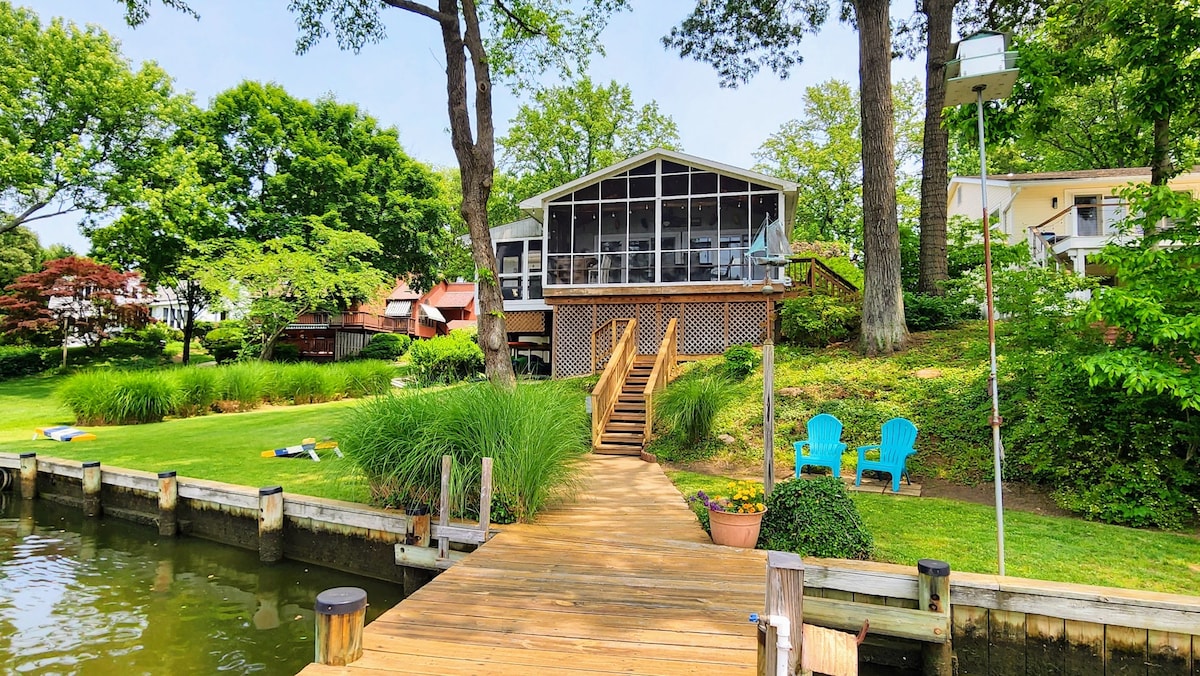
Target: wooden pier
620,580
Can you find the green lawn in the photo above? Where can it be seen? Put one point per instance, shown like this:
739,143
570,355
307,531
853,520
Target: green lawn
1048,548
222,447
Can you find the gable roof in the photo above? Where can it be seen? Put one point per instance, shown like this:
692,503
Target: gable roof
535,203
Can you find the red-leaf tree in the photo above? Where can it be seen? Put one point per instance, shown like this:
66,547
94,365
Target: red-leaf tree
73,298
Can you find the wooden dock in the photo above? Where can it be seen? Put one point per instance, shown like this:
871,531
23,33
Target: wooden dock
620,580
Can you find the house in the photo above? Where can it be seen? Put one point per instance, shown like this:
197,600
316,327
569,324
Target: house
324,336
1064,216
657,237
167,307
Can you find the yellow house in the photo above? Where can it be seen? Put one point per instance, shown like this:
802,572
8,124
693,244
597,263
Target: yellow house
1064,216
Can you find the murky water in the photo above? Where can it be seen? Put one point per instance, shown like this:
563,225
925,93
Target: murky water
88,596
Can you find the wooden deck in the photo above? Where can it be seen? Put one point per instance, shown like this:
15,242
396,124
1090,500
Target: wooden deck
620,580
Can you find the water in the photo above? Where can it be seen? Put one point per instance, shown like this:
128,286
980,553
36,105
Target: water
90,596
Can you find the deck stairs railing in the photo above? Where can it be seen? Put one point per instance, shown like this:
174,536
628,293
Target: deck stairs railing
812,274
608,398
604,341
623,399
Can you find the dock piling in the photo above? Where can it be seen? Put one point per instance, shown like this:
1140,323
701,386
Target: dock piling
785,596
341,614
933,591
91,488
270,524
28,475
168,497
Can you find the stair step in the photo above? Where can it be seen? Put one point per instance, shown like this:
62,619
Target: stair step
631,397
623,437
609,449
619,426
629,416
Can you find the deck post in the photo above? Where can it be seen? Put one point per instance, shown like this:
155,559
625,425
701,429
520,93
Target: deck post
444,509
933,590
341,614
785,596
91,488
28,476
485,498
168,497
270,524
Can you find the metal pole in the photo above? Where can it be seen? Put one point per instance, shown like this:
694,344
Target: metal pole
997,446
769,398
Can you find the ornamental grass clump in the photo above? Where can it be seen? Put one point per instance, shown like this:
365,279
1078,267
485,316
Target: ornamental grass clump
245,384
308,383
198,389
367,377
690,405
120,397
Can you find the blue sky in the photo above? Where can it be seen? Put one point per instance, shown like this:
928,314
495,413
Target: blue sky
401,82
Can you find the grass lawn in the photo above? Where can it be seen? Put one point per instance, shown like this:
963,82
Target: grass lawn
1043,547
222,447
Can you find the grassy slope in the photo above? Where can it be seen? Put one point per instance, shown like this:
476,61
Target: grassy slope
1047,548
221,447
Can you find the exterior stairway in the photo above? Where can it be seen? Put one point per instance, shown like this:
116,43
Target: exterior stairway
625,433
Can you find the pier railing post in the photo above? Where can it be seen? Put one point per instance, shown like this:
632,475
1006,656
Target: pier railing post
785,598
168,497
91,488
933,591
444,509
341,614
28,475
270,524
485,498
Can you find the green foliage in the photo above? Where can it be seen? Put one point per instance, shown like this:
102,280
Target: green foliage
534,434
445,359
245,384
367,377
20,254
819,320
740,361
390,346
198,390
287,353
689,405
225,341
105,397
308,383
23,361
815,517
923,312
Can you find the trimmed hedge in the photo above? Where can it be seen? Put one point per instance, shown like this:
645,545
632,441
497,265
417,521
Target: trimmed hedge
815,517
445,359
389,346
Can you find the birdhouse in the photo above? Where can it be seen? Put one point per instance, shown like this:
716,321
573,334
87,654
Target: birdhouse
983,64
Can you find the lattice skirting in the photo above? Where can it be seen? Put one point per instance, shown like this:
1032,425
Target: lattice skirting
704,328
525,322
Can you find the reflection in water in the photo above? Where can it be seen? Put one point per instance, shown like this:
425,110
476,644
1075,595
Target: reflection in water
88,596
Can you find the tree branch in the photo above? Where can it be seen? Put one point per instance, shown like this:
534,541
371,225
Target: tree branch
417,8
533,32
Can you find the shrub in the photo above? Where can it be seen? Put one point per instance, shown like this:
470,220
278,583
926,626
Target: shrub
198,389
224,342
689,405
120,397
740,361
23,361
445,359
534,433
923,312
389,346
286,353
156,332
814,517
819,320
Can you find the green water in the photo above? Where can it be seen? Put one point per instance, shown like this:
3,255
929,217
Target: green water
88,596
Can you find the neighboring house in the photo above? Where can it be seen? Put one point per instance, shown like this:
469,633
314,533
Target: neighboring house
323,336
167,307
660,236
1064,216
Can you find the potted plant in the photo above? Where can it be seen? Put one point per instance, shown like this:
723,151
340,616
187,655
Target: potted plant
735,520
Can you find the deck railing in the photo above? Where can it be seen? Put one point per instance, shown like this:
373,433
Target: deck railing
604,395
604,341
814,275
664,372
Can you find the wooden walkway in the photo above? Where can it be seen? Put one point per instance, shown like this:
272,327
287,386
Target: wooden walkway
621,580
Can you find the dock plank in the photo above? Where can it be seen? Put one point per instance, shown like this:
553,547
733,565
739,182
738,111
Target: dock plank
619,578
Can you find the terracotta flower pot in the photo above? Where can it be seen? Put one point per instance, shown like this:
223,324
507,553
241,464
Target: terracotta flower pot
735,530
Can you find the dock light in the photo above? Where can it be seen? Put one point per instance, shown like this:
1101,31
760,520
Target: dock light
769,251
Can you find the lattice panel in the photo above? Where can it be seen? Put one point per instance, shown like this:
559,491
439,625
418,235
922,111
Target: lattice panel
746,323
572,340
703,329
525,322
649,332
606,312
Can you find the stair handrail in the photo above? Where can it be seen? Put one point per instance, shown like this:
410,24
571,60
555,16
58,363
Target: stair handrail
610,329
665,363
608,388
833,283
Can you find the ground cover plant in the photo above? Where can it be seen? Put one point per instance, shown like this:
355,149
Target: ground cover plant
122,397
534,433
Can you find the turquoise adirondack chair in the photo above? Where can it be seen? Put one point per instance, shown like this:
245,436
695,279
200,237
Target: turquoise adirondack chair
897,440
824,443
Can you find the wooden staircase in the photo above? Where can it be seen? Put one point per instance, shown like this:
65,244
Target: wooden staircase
625,431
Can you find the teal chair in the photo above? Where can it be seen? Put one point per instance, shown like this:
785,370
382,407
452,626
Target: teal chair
896,443
824,443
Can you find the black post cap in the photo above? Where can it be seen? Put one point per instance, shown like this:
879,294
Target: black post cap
166,475
91,463
933,568
341,601
28,455
269,490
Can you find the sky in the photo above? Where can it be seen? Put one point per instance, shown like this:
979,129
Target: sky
401,80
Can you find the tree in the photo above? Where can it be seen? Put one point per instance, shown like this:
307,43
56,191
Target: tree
20,254
73,298
738,37
76,121
288,276
573,130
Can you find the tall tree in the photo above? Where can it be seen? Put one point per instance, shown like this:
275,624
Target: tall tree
73,298
76,121
738,37
20,254
573,130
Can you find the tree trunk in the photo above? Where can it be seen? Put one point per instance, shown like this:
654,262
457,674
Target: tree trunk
189,327
476,162
939,15
1160,162
883,328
